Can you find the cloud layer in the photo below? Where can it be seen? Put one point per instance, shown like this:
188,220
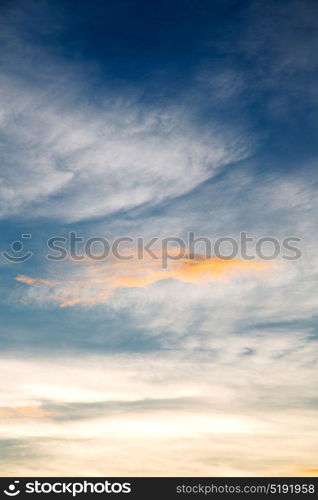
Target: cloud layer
209,411
211,363
75,161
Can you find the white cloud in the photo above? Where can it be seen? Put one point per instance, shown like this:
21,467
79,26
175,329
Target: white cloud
67,158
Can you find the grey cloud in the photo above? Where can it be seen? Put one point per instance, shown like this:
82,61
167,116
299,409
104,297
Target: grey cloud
98,409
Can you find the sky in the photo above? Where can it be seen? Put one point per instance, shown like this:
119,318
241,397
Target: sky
144,120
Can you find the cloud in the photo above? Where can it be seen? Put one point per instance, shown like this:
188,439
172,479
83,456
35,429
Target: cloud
27,412
226,385
310,471
35,282
223,403
93,282
75,161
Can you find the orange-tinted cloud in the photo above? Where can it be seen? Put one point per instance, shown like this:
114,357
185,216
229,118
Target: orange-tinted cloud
308,471
205,270
28,412
95,281
35,281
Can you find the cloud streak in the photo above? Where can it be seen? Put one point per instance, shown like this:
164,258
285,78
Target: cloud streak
25,412
94,282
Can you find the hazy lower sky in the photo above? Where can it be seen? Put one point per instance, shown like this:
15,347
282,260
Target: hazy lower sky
152,119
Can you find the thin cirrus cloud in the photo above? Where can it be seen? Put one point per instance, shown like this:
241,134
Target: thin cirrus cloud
94,281
70,157
76,162
27,412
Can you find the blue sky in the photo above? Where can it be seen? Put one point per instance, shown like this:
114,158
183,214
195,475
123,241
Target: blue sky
137,119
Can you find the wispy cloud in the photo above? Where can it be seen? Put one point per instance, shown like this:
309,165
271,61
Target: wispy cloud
75,161
94,282
25,412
